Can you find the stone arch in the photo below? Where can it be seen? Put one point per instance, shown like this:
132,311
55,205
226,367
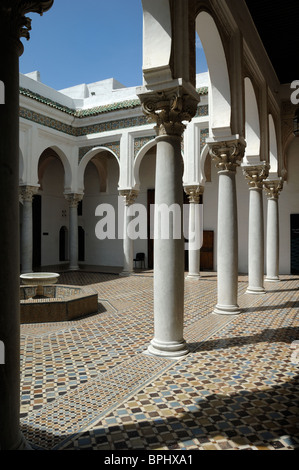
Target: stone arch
252,121
138,160
273,148
49,154
219,87
94,155
205,165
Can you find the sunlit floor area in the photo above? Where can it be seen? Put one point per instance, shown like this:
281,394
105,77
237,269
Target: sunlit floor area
90,384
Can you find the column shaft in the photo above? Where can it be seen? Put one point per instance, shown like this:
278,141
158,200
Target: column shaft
168,252
128,242
272,189
194,193
27,194
256,243
227,156
73,200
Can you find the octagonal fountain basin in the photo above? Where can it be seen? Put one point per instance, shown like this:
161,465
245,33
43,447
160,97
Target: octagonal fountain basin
42,302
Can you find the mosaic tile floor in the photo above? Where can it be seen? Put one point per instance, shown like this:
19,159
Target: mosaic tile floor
89,384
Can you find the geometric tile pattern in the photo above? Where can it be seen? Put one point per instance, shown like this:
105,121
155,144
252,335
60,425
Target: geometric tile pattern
88,384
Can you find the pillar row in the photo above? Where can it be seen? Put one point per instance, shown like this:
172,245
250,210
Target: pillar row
227,157
256,174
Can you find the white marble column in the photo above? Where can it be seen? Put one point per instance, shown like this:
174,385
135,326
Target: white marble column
26,194
255,174
227,156
169,109
272,189
194,193
73,200
128,243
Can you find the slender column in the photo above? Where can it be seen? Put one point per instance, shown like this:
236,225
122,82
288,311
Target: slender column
169,109
73,200
128,243
194,193
227,156
273,188
27,193
13,25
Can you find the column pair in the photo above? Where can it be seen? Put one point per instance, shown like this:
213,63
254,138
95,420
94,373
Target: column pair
194,192
26,195
73,200
256,174
129,196
169,109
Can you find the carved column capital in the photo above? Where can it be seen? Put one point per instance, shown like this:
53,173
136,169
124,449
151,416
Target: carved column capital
194,192
256,174
273,188
14,23
129,196
227,155
73,199
169,108
26,193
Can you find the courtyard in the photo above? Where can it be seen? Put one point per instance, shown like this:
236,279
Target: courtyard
89,384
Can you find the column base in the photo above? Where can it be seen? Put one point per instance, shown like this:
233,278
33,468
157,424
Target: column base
74,268
255,290
193,276
272,279
172,349
126,273
227,310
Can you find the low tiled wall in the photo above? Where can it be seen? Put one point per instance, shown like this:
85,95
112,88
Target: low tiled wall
62,303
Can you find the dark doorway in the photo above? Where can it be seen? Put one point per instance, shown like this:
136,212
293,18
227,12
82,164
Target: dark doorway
63,243
294,243
81,244
37,231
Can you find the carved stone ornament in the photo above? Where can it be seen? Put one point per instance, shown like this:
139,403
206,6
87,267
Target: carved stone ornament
73,199
13,20
129,196
273,188
256,174
169,109
227,155
194,193
27,193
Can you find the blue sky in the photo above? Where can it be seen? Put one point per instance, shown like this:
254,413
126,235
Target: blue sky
83,42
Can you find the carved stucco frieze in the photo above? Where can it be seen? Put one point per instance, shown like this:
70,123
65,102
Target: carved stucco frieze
14,23
256,174
169,109
227,155
273,188
194,193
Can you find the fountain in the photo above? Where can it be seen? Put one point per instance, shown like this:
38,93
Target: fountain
42,300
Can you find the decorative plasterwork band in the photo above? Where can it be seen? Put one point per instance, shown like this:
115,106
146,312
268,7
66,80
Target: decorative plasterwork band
114,146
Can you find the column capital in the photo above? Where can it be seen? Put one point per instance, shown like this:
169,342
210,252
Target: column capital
73,199
228,154
15,23
129,196
273,188
169,108
194,192
256,174
27,193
